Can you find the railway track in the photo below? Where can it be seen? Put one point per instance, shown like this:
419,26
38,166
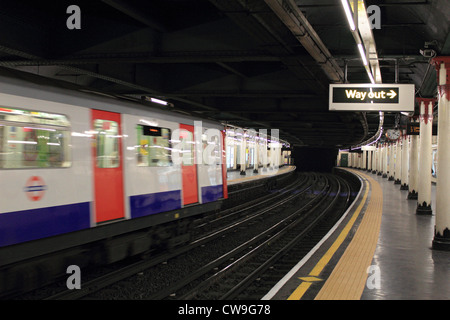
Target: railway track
244,277
233,249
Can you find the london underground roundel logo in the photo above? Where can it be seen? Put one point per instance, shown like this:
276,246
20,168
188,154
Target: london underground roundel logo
35,188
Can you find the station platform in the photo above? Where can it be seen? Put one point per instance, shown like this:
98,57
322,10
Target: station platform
379,250
234,177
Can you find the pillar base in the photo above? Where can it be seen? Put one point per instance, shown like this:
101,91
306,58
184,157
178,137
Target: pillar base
242,173
374,171
384,175
398,181
442,242
412,195
379,173
391,178
424,209
404,187
255,170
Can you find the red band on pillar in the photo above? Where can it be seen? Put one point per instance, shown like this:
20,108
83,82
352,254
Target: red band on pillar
427,102
444,88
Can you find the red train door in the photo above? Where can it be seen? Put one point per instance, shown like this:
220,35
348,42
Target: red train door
188,165
108,164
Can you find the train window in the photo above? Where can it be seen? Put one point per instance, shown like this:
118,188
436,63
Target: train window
30,139
154,147
230,156
107,138
211,146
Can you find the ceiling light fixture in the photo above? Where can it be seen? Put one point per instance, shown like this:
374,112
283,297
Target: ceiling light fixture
349,14
154,100
356,14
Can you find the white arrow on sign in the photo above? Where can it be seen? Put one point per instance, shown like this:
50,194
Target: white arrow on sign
391,94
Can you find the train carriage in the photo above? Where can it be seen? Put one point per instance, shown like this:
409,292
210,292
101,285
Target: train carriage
70,161
88,179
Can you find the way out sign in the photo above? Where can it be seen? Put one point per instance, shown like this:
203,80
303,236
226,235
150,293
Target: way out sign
371,97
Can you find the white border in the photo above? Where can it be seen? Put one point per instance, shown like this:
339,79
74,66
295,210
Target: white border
406,96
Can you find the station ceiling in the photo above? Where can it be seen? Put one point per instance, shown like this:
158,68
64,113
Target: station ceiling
240,62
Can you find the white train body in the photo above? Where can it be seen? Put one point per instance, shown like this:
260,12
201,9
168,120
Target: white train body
67,159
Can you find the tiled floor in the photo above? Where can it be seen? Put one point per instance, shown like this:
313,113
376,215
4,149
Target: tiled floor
348,279
409,268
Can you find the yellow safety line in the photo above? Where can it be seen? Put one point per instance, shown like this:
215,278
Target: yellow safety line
348,279
304,286
300,291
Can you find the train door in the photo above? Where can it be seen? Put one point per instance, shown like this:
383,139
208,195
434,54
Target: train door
188,165
108,166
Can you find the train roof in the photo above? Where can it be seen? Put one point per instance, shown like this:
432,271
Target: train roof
30,85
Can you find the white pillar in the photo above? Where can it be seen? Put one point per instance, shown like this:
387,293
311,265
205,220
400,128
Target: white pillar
242,154
374,159
426,126
398,163
369,161
272,156
405,162
380,159
391,161
235,160
413,165
385,160
263,148
256,153
388,160
442,228
377,160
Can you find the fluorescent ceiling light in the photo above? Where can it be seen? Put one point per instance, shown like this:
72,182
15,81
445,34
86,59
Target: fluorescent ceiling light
159,101
363,54
349,14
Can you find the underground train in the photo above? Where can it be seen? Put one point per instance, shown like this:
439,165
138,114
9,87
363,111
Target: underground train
79,168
